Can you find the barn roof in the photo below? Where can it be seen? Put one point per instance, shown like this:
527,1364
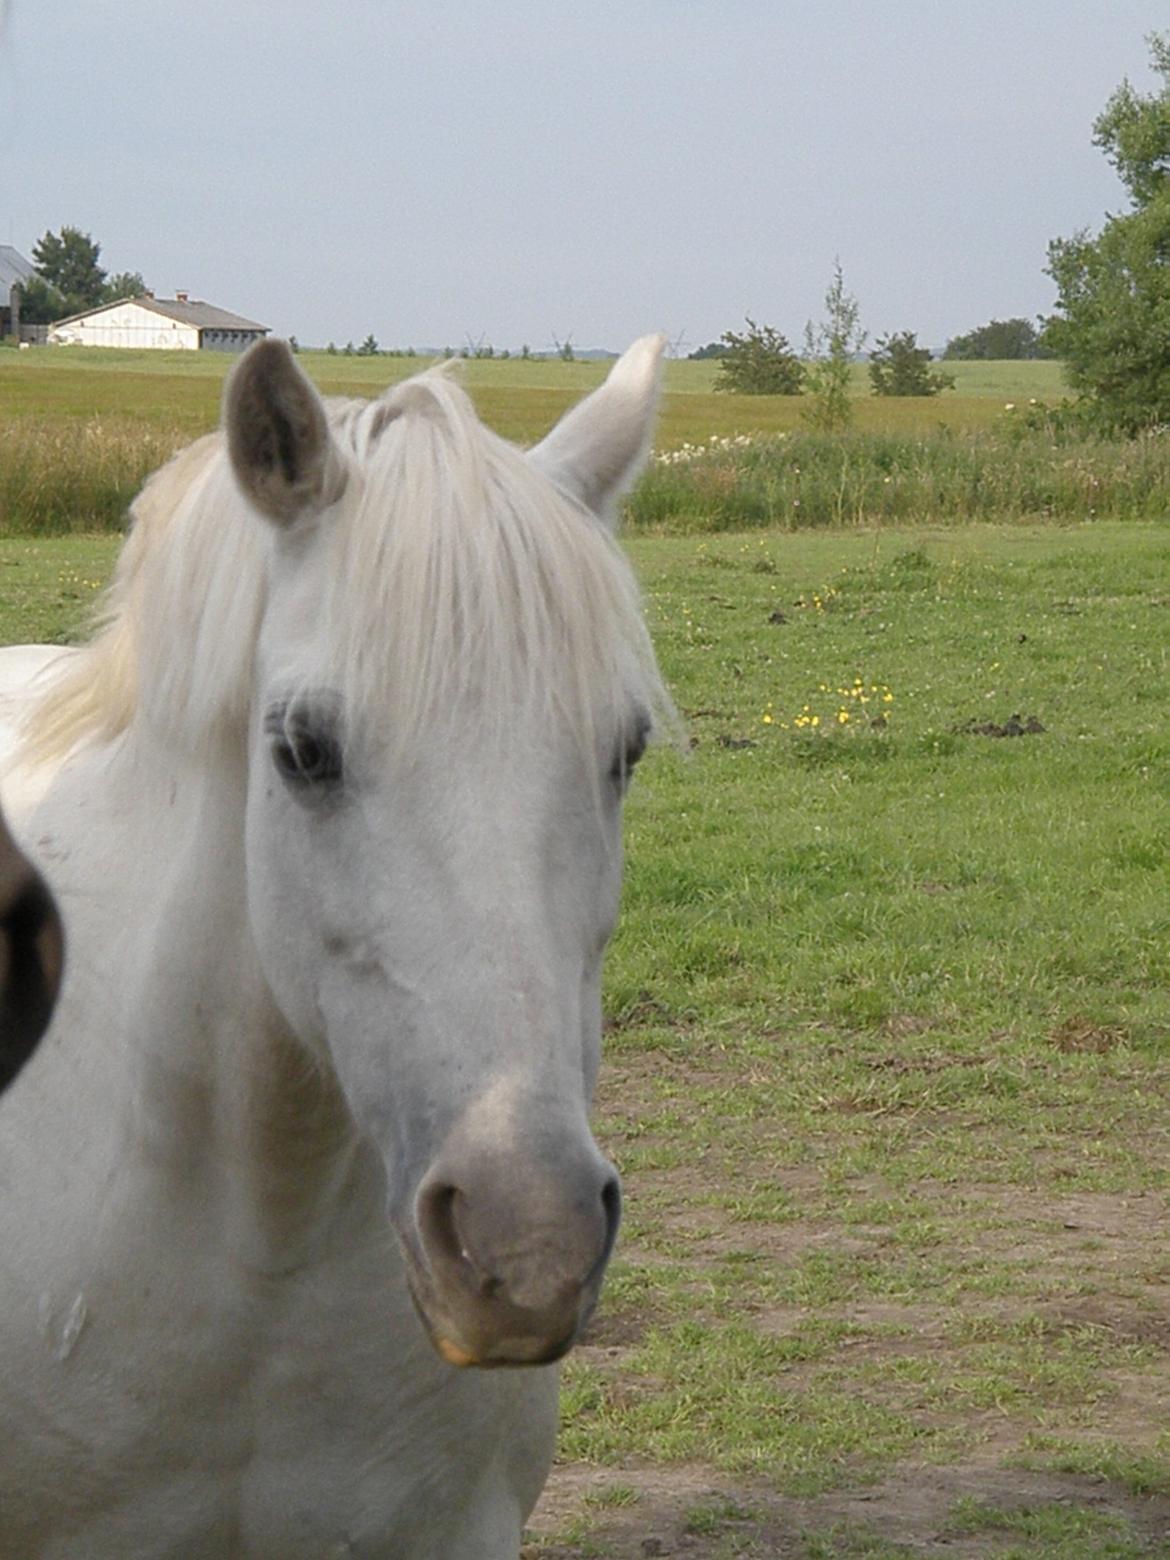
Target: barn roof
204,316
13,267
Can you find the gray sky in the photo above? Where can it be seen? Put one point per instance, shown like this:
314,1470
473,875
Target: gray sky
520,169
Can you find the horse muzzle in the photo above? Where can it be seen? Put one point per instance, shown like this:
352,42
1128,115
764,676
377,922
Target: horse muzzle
510,1256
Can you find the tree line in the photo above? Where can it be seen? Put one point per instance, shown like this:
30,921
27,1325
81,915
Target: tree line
1110,324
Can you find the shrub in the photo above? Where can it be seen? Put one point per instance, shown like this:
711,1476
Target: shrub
899,366
760,362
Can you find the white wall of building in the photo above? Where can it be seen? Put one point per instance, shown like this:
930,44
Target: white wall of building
126,325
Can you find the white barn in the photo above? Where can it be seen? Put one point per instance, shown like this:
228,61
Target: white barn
176,324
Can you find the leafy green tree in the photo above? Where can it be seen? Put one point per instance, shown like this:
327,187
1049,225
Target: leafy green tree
759,362
68,261
123,284
369,347
829,349
1112,319
899,366
41,304
997,341
713,349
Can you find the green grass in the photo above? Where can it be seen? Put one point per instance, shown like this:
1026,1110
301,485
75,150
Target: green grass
1057,1530
888,1000
1016,469
83,426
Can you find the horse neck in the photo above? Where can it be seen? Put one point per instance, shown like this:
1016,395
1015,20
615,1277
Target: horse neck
222,1099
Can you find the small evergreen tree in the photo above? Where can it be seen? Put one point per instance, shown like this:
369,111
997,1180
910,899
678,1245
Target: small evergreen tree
68,261
899,366
369,347
759,362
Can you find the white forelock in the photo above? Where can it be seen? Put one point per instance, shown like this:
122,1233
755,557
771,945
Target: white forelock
455,585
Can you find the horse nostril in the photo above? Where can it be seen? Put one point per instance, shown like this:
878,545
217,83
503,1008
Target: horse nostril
438,1215
436,1221
611,1202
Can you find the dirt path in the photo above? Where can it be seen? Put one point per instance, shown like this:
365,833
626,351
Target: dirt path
691,1512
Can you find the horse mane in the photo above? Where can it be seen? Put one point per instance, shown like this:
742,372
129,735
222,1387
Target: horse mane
458,580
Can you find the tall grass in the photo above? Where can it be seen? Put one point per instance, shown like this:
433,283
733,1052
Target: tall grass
59,475
82,431
804,480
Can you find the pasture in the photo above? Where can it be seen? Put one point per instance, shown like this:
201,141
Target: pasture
887,1046
83,426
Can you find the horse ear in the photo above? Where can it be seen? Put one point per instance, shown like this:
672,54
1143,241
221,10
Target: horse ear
596,452
278,437
31,956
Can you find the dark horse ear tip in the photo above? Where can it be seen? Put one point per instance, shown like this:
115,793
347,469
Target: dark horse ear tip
32,947
277,435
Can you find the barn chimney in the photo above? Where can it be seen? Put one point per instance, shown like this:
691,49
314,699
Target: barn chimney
180,297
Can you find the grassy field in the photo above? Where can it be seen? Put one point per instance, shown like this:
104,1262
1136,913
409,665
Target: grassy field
888,1053
82,428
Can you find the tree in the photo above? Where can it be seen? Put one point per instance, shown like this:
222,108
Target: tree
760,362
713,349
1112,319
369,347
829,349
899,366
998,340
68,261
123,284
41,304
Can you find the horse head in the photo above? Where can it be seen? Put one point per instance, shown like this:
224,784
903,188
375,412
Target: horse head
451,686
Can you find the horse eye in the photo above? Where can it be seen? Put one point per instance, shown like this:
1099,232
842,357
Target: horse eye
305,752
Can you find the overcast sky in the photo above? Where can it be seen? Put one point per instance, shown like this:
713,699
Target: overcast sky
523,169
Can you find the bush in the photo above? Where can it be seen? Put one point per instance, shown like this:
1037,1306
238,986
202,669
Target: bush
899,366
760,362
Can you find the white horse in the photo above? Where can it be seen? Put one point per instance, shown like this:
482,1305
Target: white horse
333,816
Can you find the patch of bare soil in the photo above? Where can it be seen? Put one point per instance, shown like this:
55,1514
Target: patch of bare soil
693,1513
1073,1264
1014,726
